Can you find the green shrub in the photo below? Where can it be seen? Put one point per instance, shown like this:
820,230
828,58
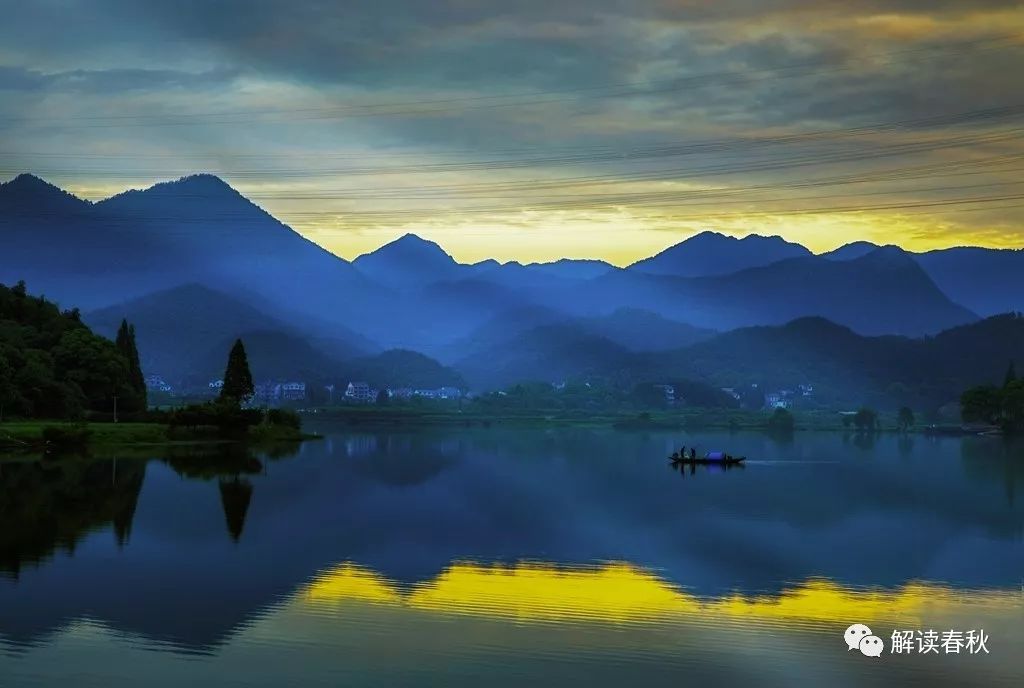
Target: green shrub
67,436
284,418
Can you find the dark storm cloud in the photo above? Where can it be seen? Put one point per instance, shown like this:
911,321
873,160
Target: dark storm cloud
456,45
197,77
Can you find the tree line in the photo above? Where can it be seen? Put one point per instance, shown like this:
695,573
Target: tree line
1002,406
53,366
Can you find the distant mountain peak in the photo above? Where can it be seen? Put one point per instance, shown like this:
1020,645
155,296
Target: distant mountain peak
713,253
408,261
204,182
889,256
850,251
28,189
410,245
198,188
27,179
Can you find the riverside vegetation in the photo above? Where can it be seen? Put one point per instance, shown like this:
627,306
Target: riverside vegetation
62,386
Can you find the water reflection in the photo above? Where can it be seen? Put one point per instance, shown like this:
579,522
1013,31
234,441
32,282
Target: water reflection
621,592
46,506
229,547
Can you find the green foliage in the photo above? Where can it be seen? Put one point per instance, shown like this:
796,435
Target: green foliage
905,418
227,417
982,404
866,420
1011,375
781,421
53,366
1002,406
238,386
224,414
382,398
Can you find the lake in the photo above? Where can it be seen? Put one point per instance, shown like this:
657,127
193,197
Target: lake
515,556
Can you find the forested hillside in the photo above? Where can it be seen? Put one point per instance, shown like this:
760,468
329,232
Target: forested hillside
53,366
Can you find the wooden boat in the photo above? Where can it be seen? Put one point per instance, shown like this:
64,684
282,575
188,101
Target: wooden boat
709,459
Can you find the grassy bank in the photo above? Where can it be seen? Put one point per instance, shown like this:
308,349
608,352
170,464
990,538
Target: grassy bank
39,433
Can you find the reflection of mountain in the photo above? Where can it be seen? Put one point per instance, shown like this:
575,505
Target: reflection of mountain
403,461
45,507
408,505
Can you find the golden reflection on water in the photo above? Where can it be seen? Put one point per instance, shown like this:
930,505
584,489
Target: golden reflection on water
622,593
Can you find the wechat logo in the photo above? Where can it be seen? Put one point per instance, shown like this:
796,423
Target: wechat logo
859,637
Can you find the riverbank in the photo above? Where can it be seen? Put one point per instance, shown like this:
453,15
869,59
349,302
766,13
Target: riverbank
43,434
677,419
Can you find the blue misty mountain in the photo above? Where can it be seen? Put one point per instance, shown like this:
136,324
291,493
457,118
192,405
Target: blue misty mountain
855,249
883,292
988,281
848,368
409,261
570,268
632,329
711,253
196,229
27,192
411,293
985,280
544,353
210,318
54,241
515,275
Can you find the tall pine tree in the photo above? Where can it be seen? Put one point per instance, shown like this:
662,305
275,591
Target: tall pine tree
238,385
125,342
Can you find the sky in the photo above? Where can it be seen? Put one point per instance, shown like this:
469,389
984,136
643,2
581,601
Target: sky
536,130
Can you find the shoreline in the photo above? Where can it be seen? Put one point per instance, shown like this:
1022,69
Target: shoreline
29,436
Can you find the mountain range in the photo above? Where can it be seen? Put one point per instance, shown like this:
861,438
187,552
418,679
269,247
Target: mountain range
195,256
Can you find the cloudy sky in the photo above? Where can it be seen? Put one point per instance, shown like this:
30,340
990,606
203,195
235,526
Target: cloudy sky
534,129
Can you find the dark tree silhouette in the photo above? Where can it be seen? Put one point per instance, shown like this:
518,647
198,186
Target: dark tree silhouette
235,495
238,385
866,420
125,342
1011,375
905,418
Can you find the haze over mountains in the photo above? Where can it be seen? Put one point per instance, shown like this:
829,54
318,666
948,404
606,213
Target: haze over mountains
196,256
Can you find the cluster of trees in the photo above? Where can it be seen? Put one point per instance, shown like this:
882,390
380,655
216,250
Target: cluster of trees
1001,406
228,412
781,422
53,366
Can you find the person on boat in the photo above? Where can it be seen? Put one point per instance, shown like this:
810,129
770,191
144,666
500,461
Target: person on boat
675,456
693,453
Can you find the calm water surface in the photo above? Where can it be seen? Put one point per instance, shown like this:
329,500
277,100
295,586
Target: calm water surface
499,557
